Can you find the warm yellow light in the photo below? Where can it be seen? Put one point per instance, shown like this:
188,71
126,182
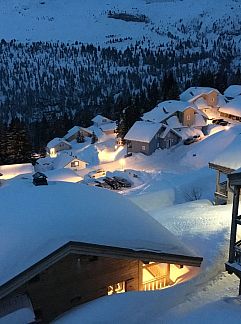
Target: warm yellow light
52,152
226,127
109,155
122,163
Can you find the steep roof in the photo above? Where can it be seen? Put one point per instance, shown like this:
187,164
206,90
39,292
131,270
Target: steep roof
99,119
233,107
43,219
231,157
54,142
143,131
164,109
193,92
233,91
63,159
72,131
108,126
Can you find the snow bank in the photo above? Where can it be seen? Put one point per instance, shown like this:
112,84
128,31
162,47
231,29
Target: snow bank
44,218
13,170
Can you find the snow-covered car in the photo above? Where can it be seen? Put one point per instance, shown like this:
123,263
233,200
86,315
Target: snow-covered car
189,141
221,122
97,174
196,137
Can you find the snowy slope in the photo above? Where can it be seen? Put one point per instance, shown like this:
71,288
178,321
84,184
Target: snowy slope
87,21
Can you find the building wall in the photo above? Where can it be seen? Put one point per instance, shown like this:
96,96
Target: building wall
156,142
138,147
60,147
72,137
171,139
77,279
188,117
211,98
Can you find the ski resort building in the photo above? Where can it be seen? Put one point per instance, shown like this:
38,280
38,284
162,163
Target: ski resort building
74,132
232,91
232,109
56,145
206,99
184,113
234,262
100,120
76,252
226,163
145,137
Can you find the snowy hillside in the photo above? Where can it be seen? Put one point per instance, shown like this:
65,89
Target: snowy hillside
98,56
88,22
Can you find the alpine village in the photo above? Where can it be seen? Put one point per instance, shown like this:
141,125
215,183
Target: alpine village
120,161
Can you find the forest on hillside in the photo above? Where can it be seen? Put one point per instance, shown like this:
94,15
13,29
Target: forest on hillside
46,88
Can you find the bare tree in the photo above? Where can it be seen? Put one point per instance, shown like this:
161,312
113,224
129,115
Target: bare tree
193,193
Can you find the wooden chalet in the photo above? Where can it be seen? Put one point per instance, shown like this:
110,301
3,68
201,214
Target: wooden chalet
84,244
222,193
80,272
234,262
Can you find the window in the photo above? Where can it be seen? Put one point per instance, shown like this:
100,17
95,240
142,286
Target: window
117,288
188,117
143,147
74,164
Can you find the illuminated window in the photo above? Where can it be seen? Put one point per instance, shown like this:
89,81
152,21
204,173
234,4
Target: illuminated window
117,288
188,117
74,164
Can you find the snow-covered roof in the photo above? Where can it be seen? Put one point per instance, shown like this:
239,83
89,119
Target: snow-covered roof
164,109
13,170
72,131
42,219
233,107
193,92
63,159
231,156
233,91
173,122
56,141
143,131
99,119
108,126
199,120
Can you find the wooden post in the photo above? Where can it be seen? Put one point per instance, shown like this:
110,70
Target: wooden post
168,274
239,291
140,269
234,224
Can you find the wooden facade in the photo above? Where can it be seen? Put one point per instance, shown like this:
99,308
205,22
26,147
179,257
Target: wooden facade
223,194
234,262
80,272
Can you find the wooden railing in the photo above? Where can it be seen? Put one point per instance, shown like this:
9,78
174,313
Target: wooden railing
155,284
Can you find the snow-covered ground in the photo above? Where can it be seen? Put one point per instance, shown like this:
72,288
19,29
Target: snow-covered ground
87,21
163,185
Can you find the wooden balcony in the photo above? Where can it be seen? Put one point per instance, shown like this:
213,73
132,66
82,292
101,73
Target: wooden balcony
156,283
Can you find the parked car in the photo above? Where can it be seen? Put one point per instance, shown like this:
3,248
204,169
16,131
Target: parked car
189,141
197,138
221,122
97,174
123,182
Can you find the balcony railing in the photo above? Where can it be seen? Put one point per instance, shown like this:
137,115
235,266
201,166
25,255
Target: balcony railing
155,284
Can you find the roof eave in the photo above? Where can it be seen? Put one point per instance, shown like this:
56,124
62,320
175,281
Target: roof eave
98,250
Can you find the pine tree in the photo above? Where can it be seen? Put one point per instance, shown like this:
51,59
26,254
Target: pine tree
80,138
94,138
